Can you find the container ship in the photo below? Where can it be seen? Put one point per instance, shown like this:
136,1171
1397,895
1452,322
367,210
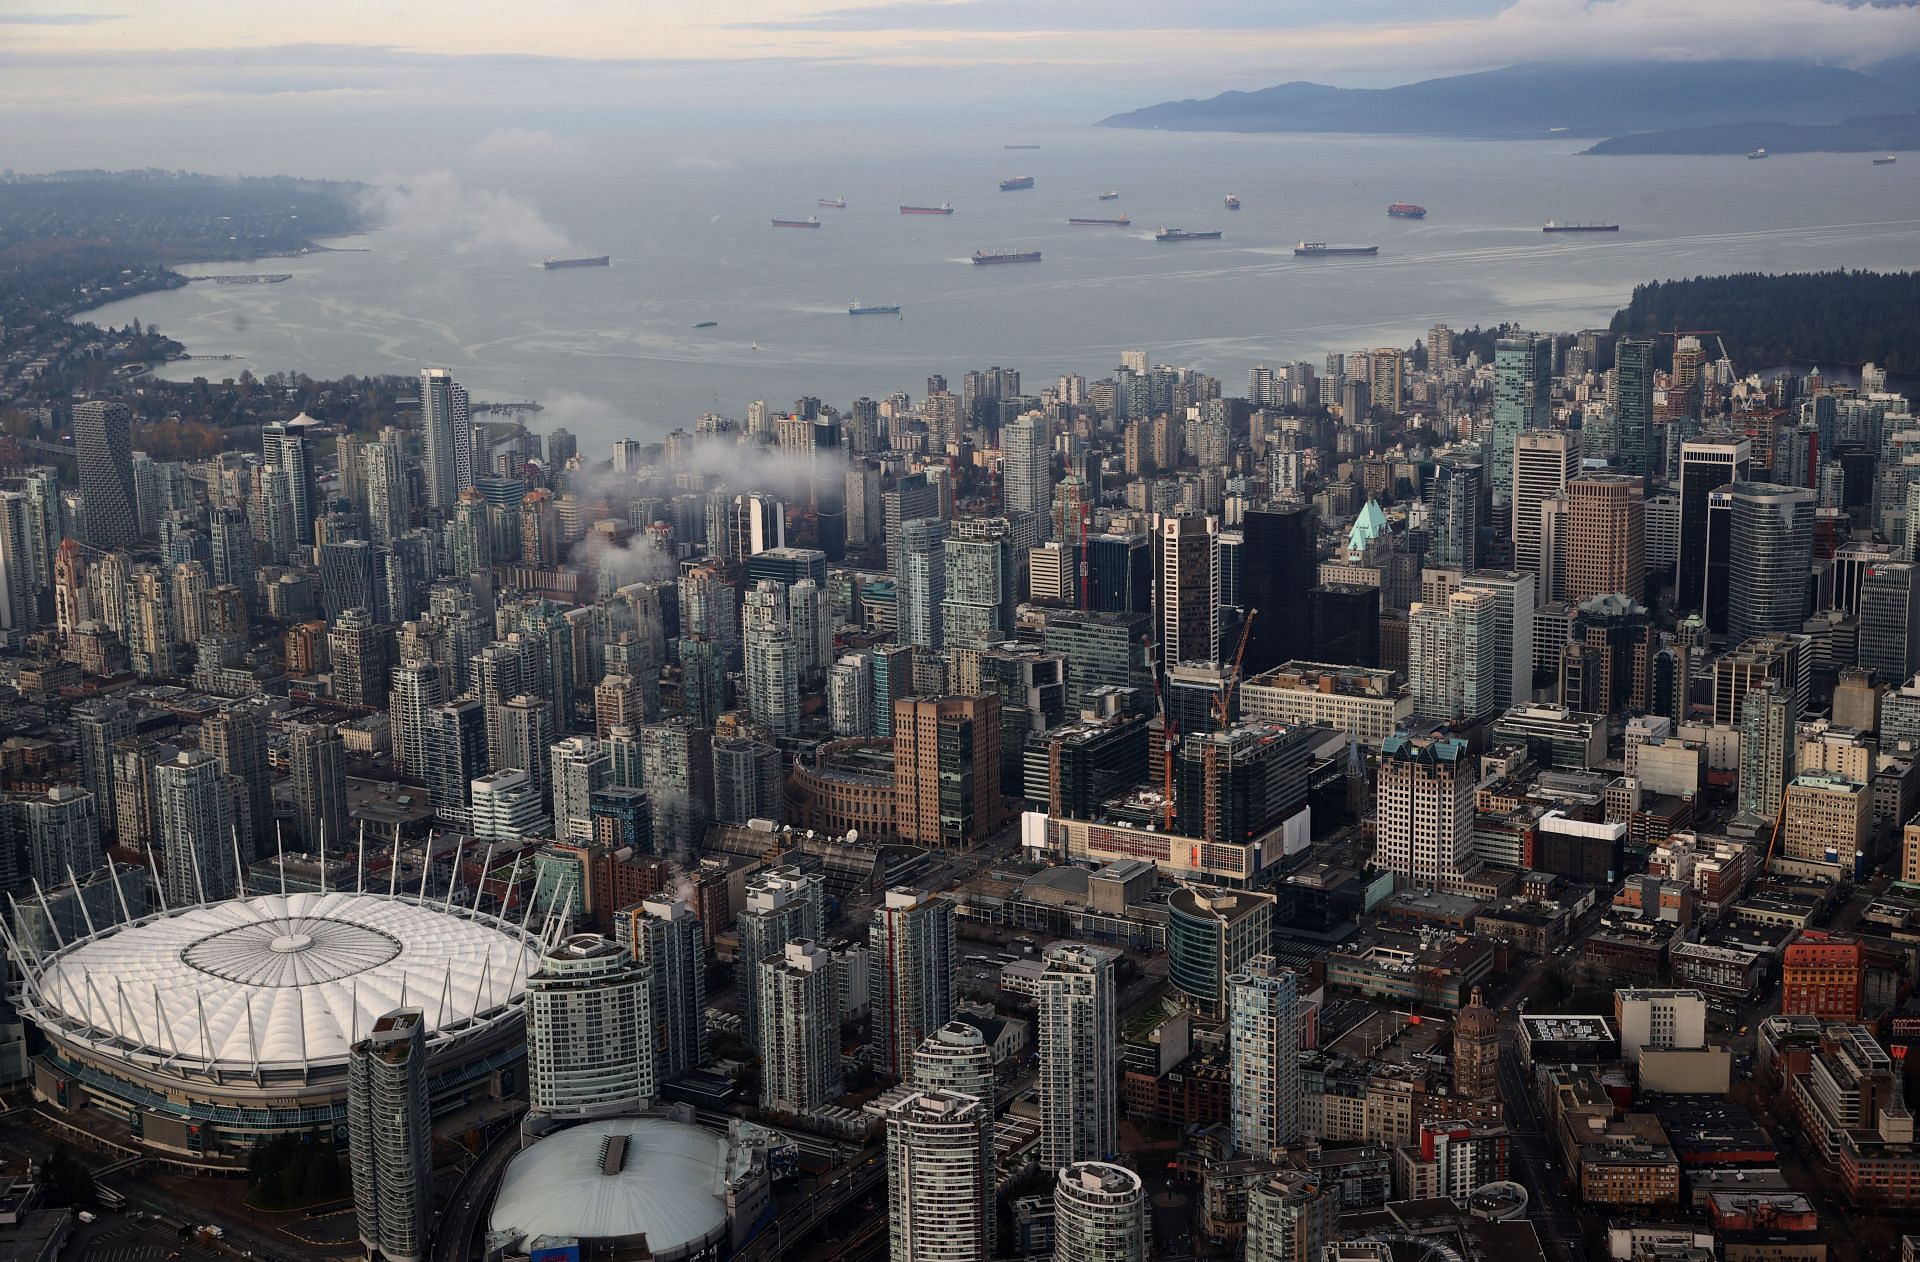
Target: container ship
1580,227
834,203
1233,201
981,257
1407,210
1117,221
943,208
599,260
1111,195
859,308
1017,182
811,221
1181,234
1317,249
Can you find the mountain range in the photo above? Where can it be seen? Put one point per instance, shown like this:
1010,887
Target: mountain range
1554,98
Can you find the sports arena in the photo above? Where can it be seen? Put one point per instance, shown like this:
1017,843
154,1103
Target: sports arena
204,1029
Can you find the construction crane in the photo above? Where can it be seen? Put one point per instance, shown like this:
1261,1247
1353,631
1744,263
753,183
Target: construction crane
1223,707
1721,342
1169,737
1779,816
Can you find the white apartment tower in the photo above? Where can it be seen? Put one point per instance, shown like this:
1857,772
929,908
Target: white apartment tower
1425,809
910,985
1263,1006
799,1030
589,1027
1079,1043
940,1187
1099,1214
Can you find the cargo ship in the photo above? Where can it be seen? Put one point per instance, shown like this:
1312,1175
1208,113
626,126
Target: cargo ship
834,203
1181,234
1887,161
707,324
1580,227
1111,195
265,278
600,260
1407,210
1758,153
943,208
1233,201
981,257
1118,221
1019,146
1017,182
811,221
1318,249
856,308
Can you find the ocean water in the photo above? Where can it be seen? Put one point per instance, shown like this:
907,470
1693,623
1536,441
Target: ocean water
457,281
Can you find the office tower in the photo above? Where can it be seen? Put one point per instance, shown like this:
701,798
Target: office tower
1099,1214
920,582
507,804
589,1030
526,736
1522,401
748,782
283,445
232,549
104,454
63,835
349,578
1452,658
866,509
1635,440
621,819
946,770
1120,569
1026,469
1280,542
755,523
940,1179
1263,1027
1424,799
447,438
1513,592
1606,537
799,1035
668,940
579,768
316,761
1079,1043
1890,619
358,652
196,828
955,1058
417,686
236,735
626,769
1386,378
1453,524
150,633
1476,1051
982,564
1544,460
892,680
390,1137
1767,717
19,584
773,667
911,944
782,905
1290,1216
1102,649
1706,465
98,727
1186,587
72,595
676,761
387,507
453,754
1771,554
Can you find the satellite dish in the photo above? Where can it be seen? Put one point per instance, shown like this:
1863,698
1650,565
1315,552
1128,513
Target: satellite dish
853,835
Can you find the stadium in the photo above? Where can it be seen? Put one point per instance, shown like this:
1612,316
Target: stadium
205,1029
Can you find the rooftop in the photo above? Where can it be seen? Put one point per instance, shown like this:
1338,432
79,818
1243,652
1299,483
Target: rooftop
618,1179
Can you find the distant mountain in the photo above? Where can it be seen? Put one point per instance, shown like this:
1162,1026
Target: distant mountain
1578,98
1879,133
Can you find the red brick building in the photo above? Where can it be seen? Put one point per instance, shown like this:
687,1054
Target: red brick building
1822,975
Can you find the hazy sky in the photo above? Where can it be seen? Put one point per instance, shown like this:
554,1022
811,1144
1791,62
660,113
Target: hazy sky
92,80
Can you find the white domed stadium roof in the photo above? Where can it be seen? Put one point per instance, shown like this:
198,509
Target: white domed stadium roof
668,1183
279,979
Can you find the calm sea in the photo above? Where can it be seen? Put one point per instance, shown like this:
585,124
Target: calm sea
614,352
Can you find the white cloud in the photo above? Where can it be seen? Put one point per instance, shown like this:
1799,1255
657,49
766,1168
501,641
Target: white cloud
439,205
522,144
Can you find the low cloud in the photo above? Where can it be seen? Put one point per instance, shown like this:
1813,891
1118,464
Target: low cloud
522,144
438,205
58,19
639,560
